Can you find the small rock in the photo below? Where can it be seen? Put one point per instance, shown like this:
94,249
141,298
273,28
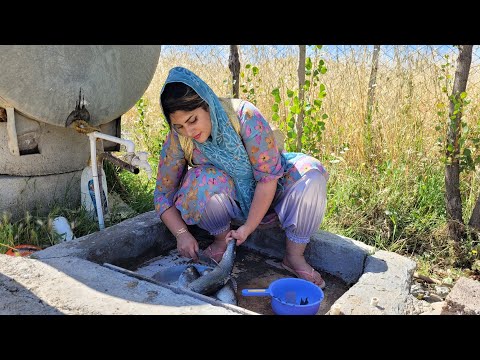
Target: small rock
419,291
433,298
436,309
442,291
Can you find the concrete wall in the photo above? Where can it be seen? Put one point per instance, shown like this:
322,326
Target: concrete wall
35,182
38,193
60,149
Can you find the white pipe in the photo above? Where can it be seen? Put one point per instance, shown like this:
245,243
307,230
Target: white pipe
96,185
93,156
128,144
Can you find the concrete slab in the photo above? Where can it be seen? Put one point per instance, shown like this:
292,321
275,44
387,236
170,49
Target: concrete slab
70,285
69,277
327,252
122,244
382,289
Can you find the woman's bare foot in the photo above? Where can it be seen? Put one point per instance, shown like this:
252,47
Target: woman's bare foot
216,250
217,247
298,266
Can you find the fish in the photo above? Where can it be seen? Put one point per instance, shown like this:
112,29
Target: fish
206,271
206,260
228,293
210,283
187,276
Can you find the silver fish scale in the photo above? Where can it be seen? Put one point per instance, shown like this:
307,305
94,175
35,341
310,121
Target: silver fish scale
218,277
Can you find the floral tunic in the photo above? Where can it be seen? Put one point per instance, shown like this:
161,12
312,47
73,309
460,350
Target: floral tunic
190,189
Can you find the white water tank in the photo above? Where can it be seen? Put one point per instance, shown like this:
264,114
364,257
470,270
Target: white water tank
39,85
43,81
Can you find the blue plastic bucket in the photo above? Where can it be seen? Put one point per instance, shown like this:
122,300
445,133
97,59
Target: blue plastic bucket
291,296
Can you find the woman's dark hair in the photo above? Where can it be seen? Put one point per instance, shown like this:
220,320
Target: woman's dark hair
179,96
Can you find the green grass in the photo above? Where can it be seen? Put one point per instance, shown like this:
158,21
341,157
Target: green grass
35,229
395,208
135,190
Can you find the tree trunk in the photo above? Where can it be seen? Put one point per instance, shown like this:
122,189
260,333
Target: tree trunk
453,199
234,66
475,218
372,84
301,93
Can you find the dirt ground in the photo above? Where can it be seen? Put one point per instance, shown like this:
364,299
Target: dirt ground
255,271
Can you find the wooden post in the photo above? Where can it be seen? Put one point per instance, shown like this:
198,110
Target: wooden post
302,50
234,66
372,84
12,139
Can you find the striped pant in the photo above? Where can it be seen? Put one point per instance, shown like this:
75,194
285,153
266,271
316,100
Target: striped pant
300,209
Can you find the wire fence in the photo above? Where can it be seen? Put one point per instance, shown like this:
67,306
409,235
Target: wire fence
407,91
281,60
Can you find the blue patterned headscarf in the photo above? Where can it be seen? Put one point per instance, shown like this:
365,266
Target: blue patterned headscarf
225,148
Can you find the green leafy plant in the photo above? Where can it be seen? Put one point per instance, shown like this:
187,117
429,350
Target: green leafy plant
465,146
311,106
142,127
146,134
249,83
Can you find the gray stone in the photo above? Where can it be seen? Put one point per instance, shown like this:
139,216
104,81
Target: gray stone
338,255
464,299
442,291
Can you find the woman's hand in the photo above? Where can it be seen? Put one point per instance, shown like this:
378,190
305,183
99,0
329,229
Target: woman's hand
240,234
187,246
